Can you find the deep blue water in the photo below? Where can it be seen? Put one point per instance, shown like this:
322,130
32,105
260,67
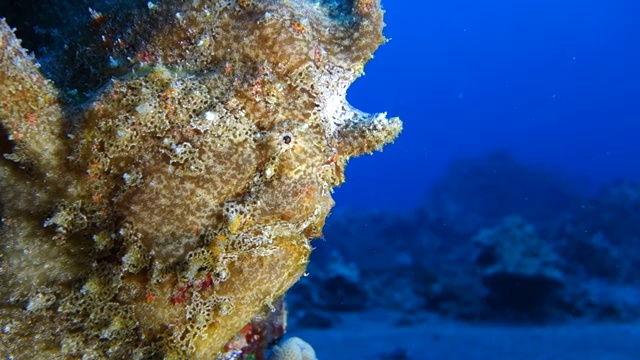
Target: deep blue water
556,83
555,86
543,231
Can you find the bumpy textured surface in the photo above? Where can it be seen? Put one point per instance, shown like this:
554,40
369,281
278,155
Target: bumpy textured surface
293,349
160,217
520,270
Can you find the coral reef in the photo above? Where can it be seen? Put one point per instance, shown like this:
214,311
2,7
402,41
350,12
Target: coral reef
577,262
293,349
520,269
177,204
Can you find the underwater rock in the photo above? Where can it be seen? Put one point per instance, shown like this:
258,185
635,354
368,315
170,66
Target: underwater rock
479,192
177,203
518,268
336,287
603,235
455,293
293,349
596,257
598,300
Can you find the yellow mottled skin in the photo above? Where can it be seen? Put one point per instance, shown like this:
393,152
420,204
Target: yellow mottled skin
162,215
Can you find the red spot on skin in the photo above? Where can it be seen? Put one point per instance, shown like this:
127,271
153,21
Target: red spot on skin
245,341
257,86
246,329
143,57
178,299
332,160
180,296
97,197
121,44
286,216
206,283
298,27
17,135
365,5
31,118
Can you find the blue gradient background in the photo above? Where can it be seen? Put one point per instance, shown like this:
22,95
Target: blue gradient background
556,83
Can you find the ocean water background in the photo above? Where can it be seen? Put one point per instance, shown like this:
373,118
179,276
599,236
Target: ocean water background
555,83
504,223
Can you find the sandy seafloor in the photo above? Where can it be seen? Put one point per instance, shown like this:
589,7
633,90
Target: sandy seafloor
376,335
